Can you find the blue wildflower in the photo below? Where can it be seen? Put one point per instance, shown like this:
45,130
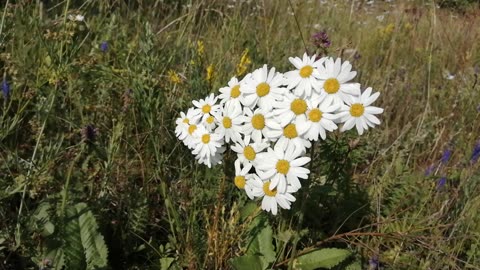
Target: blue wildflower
441,182
5,89
476,153
104,46
446,156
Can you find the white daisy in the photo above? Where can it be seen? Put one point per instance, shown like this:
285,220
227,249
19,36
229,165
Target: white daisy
247,151
234,90
189,139
205,107
250,186
263,88
210,123
283,166
183,122
290,108
241,174
271,197
320,118
334,78
230,122
290,135
359,113
305,78
206,146
259,123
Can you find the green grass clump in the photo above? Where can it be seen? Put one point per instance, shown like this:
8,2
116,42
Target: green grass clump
91,173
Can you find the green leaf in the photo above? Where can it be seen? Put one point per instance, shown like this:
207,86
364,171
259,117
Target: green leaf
326,258
262,245
249,209
165,263
96,251
73,247
248,262
356,265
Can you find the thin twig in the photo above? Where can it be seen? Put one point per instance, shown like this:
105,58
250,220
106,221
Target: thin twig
298,26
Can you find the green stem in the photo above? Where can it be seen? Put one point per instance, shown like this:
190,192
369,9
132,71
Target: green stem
30,167
304,196
67,183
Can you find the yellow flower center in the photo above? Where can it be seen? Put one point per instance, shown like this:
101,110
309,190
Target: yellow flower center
240,181
315,115
206,138
290,131
227,122
235,91
210,119
298,106
357,110
331,86
258,121
206,108
249,153
306,71
192,129
263,89
186,121
267,191
283,166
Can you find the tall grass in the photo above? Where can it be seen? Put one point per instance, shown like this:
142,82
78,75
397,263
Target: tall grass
87,134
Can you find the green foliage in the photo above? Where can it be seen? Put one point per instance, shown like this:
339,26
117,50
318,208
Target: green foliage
456,4
96,252
260,252
77,243
322,258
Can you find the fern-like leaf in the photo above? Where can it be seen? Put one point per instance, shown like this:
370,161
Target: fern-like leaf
73,247
138,216
96,252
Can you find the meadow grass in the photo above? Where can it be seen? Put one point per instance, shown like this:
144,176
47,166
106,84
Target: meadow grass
88,150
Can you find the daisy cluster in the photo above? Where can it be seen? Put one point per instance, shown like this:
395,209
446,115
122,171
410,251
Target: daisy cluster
270,118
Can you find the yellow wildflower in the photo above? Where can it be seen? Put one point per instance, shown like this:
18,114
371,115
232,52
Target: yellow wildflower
387,31
408,26
200,48
210,72
174,77
245,61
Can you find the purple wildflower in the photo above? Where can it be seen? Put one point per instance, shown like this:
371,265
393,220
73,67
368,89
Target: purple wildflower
430,170
321,40
357,56
373,263
89,133
5,89
104,46
476,153
446,156
46,264
441,182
